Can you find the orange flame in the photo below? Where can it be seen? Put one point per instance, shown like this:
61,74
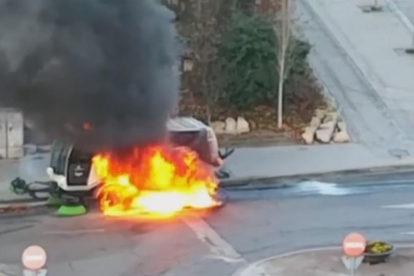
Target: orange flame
158,180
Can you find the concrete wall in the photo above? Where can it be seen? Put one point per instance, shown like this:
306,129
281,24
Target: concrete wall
11,133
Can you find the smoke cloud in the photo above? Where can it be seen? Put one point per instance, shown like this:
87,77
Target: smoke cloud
98,72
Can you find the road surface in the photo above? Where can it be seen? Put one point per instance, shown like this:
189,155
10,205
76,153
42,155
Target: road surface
255,224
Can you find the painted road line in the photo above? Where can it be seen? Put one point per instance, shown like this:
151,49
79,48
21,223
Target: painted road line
218,246
256,268
15,229
74,232
7,269
399,206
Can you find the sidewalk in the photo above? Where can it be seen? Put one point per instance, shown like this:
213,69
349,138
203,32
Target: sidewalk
374,43
268,162
329,263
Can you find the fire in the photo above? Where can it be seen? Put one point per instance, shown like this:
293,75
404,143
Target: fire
156,180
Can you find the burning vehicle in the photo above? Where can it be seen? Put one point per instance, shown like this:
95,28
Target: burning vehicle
103,76
160,179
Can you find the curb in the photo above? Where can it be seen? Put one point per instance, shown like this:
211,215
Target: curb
280,181
254,267
21,205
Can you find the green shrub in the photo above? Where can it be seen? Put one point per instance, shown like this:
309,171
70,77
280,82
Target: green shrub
248,60
300,51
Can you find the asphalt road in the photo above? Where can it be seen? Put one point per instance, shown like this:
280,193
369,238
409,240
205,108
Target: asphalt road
253,225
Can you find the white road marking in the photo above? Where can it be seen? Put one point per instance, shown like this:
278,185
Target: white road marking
399,206
218,246
74,232
6,270
257,268
41,272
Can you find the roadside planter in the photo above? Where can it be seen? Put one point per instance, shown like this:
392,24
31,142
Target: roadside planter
358,250
377,252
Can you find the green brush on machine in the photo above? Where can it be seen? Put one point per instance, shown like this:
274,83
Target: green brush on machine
72,207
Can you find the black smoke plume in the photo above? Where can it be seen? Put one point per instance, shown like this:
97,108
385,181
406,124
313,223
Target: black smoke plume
98,72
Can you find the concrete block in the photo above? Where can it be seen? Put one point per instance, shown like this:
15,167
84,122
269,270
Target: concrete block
242,126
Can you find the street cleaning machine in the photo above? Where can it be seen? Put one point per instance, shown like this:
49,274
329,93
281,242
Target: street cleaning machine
72,176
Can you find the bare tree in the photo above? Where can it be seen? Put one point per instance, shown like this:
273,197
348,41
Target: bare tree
284,51
204,44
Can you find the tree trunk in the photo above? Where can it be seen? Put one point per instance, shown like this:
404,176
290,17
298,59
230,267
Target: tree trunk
283,46
280,93
208,111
